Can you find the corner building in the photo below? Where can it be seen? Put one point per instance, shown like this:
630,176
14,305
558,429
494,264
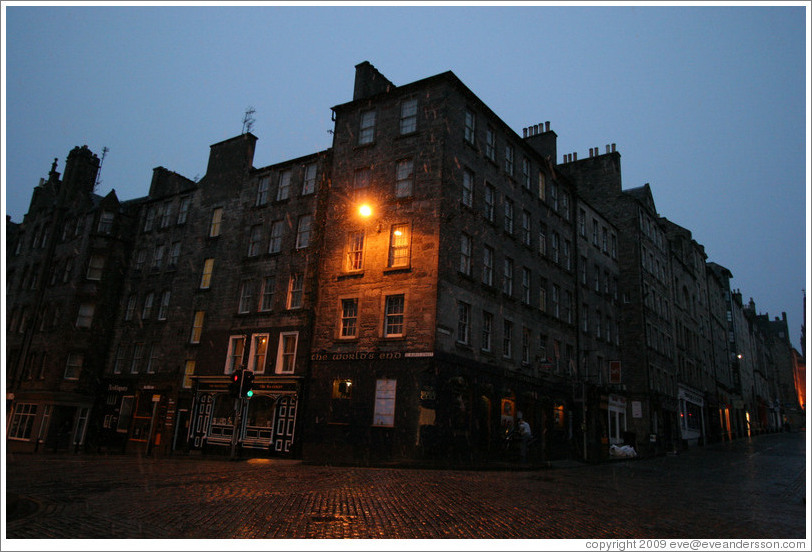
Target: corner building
449,309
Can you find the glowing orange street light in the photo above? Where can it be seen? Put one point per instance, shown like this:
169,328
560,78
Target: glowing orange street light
365,210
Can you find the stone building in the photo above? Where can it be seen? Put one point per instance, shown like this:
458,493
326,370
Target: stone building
693,351
64,270
722,426
221,280
405,295
449,311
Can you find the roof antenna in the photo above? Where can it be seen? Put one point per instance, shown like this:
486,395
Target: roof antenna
105,149
248,120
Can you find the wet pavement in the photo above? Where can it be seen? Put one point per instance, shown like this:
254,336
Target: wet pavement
754,488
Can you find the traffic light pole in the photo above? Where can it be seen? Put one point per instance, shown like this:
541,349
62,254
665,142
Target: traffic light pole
237,410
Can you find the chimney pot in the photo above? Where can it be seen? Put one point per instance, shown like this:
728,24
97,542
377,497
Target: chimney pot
535,129
613,148
547,124
524,133
575,156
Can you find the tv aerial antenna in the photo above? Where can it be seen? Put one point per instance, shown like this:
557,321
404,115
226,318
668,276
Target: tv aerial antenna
105,149
248,119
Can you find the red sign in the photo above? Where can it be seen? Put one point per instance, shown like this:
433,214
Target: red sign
614,371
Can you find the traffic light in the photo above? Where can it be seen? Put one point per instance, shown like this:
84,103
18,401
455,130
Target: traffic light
247,389
234,386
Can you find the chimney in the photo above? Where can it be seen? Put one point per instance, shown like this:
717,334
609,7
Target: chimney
369,81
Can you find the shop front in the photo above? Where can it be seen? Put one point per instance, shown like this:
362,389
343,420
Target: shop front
264,424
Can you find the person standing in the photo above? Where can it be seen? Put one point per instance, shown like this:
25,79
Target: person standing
525,434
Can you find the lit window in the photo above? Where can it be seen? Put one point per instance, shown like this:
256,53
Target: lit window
188,372
349,317
393,320
286,354
259,353
216,222
295,287
197,327
205,279
399,246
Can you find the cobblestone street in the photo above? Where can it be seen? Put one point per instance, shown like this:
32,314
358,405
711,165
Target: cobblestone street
746,489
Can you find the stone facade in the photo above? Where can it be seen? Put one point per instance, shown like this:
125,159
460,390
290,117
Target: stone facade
485,281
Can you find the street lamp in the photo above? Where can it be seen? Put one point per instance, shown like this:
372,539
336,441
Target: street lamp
365,210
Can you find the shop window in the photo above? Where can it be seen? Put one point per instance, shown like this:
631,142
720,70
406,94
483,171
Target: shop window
340,401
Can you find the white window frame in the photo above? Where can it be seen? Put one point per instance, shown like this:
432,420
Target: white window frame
283,355
268,293
84,316
263,190
404,178
258,341
399,246
463,322
394,319
235,354
348,324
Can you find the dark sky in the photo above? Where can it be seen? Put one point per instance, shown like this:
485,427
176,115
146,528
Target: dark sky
707,104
